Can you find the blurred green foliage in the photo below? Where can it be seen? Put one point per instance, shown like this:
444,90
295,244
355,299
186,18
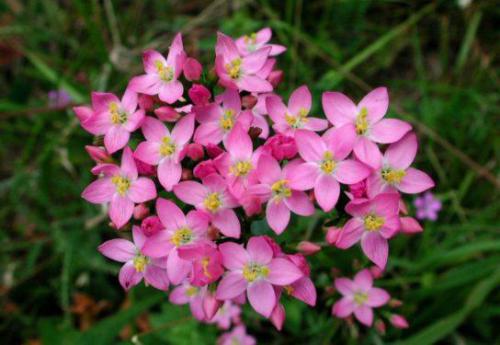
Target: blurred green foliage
440,62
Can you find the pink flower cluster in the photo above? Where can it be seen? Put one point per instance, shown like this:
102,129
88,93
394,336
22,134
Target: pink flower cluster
210,164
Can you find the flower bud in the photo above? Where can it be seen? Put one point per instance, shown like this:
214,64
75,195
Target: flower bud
399,321
167,113
281,147
278,316
145,102
98,154
213,151
145,168
410,225
192,69
332,235
151,225
275,77
140,211
308,248
358,190
199,94
204,168
380,326
376,272
195,151
210,305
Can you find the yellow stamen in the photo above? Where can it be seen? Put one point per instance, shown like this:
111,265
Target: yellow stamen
167,147
280,189
288,289
360,298
227,119
393,176
165,72
122,184
182,236
204,264
212,202
297,121
373,222
234,68
140,263
253,271
241,168
362,121
191,291
328,165
118,116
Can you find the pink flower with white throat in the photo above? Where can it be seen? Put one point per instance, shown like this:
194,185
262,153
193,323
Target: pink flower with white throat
212,197
365,120
164,148
250,43
114,118
237,71
137,265
374,222
326,165
162,74
255,271
359,297
287,119
121,187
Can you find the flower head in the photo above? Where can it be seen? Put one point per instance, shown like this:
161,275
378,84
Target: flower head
428,206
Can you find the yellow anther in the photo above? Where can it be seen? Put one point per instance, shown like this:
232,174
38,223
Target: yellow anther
360,298
281,190
288,289
204,264
362,121
167,147
241,168
373,222
118,116
122,184
165,72
328,165
253,271
191,291
140,263
212,202
182,236
297,121
250,39
393,176
227,119
234,68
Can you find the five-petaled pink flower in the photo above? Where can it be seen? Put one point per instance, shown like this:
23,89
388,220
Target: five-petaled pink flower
359,297
227,314
374,222
365,121
187,293
162,74
114,118
250,43
214,198
121,188
395,172
237,71
237,336
137,264
326,165
289,118
256,271
165,148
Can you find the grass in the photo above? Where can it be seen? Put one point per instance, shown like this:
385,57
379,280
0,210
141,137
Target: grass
440,64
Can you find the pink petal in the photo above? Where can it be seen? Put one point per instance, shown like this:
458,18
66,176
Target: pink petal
326,191
225,46
283,272
351,234
116,138
368,152
300,203
268,169
128,167
148,152
415,181
99,191
142,190
170,92
128,276
208,133
153,129
359,208
300,100
351,171
149,58
183,130
343,307
386,204
340,141
148,84
276,108
315,124
138,236
234,256
197,221
129,101
96,123
310,145
375,248
345,286
254,61
239,144
263,35
231,100
120,210
158,245
276,49
196,307
377,297
156,277
363,280
410,225
401,154
277,215
190,192
262,297
364,314
177,269
101,100
227,222
259,250
376,102
231,286
179,295
303,176
169,173
304,290
388,131
338,108
118,249
254,84
170,214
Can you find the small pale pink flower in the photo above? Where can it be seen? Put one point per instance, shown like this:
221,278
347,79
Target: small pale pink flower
121,188
427,206
366,122
359,297
287,119
180,231
395,172
237,71
326,165
374,222
186,293
162,74
255,271
214,198
136,265
114,118
228,313
165,148
250,43
237,336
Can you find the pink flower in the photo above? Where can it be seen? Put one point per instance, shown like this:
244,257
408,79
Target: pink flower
114,119
326,165
121,188
427,206
137,265
162,74
227,314
237,336
186,293
214,198
180,231
276,188
365,122
288,119
250,43
206,263
281,147
217,120
165,148
237,71
256,271
192,69
359,297
374,221
395,172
